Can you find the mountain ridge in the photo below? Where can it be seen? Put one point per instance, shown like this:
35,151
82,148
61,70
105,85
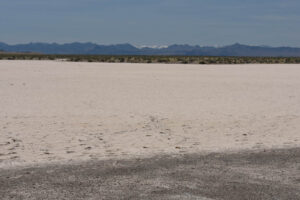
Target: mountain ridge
89,48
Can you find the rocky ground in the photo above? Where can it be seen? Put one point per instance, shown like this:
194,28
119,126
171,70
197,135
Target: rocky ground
270,174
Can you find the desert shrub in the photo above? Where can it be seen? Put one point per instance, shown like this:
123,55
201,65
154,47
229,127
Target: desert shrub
11,58
153,59
162,60
184,62
76,59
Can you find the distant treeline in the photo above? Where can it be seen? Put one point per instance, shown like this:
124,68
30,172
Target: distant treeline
152,59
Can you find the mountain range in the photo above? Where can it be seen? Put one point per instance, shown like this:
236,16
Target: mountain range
128,49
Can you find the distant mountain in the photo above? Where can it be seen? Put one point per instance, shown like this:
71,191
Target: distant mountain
127,49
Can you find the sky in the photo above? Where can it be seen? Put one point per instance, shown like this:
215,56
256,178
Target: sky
152,22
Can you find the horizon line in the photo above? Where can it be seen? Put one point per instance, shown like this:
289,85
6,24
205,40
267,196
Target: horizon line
149,46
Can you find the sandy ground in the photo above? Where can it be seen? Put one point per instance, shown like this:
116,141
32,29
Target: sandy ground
54,111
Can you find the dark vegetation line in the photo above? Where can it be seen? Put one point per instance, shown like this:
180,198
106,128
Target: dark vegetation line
152,59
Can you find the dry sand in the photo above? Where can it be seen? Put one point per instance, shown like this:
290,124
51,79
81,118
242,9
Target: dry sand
54,111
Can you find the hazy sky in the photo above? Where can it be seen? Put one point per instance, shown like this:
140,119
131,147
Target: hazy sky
152,22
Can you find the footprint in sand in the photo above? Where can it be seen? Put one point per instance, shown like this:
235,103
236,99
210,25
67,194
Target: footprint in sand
5,144
196,143
88,148
45,151
16,140
258,145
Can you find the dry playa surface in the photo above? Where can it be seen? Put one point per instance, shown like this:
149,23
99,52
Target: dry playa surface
65,111
68,117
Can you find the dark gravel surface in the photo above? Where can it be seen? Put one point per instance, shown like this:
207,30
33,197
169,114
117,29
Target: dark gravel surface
267,175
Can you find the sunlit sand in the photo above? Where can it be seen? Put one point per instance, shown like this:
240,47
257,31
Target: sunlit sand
53,111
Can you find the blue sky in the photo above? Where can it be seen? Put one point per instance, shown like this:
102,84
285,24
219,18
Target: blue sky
152,22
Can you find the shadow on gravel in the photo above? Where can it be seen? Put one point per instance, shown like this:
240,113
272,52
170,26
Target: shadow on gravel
273,174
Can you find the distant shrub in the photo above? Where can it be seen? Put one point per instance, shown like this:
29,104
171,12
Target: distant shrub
151,59
184,62
76,59
162,60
